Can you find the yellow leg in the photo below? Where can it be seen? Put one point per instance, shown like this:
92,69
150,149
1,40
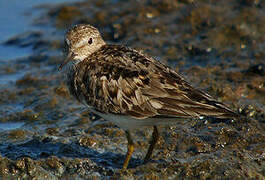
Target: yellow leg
129,151
154,140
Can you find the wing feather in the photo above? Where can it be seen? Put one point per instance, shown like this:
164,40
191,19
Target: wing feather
141,87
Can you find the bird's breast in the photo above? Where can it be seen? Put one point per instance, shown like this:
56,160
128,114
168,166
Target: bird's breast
75,83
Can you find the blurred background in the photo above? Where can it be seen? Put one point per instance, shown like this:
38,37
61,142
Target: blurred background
218,46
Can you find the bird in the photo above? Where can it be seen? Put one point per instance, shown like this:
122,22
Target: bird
131,89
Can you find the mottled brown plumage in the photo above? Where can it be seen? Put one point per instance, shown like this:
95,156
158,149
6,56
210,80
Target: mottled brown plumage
119,80
129,88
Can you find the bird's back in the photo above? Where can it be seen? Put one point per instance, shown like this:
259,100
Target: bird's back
122,81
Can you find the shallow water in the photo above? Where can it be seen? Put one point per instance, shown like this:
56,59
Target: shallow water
16,18
11,125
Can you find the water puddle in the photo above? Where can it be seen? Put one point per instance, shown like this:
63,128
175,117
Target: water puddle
10,78
16,18
11,125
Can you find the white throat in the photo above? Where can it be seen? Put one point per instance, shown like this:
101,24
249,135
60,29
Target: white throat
79,58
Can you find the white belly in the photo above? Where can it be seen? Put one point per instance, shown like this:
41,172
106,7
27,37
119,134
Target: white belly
124,122
128,123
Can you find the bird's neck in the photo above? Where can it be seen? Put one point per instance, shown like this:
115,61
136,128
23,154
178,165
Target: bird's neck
79,58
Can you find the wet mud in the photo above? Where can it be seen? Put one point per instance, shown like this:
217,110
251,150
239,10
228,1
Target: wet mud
218,46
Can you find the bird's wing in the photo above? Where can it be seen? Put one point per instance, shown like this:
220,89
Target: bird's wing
123,81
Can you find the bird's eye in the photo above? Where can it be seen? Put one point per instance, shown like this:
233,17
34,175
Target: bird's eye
90,41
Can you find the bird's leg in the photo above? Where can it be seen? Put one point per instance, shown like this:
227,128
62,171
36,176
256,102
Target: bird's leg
154,140
129,151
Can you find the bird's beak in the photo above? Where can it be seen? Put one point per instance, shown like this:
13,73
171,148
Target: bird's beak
69,58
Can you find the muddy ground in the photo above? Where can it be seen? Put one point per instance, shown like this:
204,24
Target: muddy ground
218,46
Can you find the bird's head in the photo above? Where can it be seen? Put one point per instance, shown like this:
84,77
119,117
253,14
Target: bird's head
81,41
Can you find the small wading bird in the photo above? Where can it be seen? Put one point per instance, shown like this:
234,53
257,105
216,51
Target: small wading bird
129,88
